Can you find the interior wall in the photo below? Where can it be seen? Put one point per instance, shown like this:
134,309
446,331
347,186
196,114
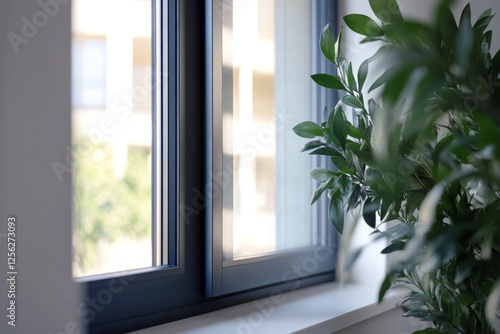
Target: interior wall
35,114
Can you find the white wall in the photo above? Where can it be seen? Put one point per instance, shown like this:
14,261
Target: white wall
35,116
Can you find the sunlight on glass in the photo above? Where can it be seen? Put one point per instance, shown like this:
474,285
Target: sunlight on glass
111,124
267,209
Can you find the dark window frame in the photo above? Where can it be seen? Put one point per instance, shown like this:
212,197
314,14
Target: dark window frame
143,298
226,277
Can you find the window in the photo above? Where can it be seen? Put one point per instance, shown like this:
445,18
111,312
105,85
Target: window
228,201
89,68
112,137
260,89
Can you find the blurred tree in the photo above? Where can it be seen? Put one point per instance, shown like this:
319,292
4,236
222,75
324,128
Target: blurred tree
107,208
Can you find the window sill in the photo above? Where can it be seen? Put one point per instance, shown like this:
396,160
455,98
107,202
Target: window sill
325,308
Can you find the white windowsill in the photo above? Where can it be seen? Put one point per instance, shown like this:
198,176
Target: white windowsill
325,308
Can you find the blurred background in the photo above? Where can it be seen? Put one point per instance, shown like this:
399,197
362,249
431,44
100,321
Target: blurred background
111,123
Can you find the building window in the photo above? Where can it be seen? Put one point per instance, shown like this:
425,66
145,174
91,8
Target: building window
89,72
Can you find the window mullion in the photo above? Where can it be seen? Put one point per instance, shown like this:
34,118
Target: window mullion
160,243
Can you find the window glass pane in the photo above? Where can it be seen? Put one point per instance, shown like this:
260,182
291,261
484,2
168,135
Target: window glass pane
112,131
267,89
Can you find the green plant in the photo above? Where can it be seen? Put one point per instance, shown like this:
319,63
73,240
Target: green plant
425,154
107,207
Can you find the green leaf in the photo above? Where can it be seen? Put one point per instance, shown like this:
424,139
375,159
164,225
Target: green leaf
340,126
427,211
418,313
442,145
349,144
341,164
374,109
370,209
363,73
396,245
385,286
344,183
338,44
365,157
354,199
321,189
336,211
308,129
396,84
355,133
465,38
484,14
350,78
321,175
496,61
327,43
463,208
382,79
370,39
311,145
328,81
408,33
330,128
381,53
414,201
363,25
352,101
385,207
386,10
486,42
465,299
397,231
328,151
447,25
483,21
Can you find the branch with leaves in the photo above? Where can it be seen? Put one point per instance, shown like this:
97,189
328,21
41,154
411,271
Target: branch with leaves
425,155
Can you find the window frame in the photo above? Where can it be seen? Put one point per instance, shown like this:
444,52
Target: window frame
223,276
137,299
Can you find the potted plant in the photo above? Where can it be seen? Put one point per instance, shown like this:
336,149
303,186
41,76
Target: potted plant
423,152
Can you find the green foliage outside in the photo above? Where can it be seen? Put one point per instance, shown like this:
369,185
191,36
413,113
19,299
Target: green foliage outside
107,207
423,152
